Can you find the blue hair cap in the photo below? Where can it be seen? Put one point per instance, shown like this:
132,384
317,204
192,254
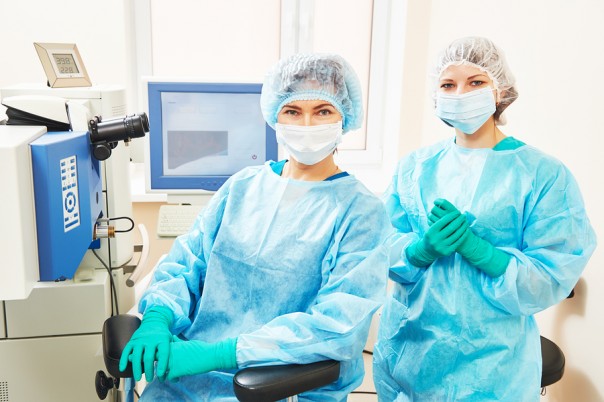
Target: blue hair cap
313,76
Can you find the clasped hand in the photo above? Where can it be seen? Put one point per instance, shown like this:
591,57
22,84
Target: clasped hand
442,239
479,252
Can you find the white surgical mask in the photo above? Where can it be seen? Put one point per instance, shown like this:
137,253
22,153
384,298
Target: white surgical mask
466,112
309,144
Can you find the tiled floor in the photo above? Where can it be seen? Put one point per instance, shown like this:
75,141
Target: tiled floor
367,385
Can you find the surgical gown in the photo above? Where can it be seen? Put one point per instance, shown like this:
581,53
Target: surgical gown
449,332
294,269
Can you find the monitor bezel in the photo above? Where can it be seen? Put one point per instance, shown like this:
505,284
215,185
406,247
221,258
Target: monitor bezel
188,184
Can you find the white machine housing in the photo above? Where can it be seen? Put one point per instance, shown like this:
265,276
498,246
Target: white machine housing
50,332
18,238
108,101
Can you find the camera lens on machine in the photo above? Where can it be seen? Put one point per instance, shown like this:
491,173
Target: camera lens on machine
134,126
104,135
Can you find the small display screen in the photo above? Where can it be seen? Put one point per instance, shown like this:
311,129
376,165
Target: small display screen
189,146
65,63
211,133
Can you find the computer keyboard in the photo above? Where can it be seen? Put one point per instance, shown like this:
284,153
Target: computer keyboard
174,220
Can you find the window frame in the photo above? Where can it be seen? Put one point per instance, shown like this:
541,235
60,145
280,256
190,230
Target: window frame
385,77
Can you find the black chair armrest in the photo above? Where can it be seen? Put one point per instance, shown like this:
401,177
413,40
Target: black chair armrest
273,383
253,384
117,331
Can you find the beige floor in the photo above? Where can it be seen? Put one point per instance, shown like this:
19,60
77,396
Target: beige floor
366,386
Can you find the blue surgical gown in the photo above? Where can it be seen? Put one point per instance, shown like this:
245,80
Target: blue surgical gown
449,332
294,269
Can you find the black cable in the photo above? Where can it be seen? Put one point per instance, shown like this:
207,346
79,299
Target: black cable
112,284
136,393
117,308
109,268
123,217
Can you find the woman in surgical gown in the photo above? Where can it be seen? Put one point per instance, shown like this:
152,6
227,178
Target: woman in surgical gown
493,231
287,263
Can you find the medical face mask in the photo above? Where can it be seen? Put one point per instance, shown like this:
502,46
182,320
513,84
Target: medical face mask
309,144
466,112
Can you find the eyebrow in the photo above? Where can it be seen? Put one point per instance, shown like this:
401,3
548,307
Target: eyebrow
319,106
323,105
478,75
467,79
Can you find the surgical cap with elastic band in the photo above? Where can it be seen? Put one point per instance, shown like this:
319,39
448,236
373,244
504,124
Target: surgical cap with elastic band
313,76
481,53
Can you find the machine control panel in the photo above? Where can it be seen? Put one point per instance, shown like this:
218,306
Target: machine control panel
69,182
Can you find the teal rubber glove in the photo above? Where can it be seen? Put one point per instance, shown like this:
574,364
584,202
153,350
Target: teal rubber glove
477,251
198,357
440,209
150,342
440,240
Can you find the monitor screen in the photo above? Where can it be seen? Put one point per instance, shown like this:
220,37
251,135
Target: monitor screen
202,133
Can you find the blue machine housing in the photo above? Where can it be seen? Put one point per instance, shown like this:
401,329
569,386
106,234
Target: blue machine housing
68,200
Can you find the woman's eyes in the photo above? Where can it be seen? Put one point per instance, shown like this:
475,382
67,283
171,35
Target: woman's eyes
449,85
295,113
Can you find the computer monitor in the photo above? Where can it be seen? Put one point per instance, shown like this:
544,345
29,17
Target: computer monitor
201,133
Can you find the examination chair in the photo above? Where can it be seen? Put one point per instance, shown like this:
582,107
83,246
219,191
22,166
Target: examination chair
252,384
553,360
553,363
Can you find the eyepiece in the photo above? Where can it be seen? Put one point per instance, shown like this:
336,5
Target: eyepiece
105,135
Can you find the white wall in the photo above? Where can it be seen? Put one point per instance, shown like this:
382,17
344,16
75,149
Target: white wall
554,49
97,28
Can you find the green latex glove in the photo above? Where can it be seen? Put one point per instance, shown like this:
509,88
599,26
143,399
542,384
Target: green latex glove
150,342
440,209
477,251
198,357
441,240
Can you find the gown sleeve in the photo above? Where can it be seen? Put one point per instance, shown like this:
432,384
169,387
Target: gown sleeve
178,279
401,271
557,242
